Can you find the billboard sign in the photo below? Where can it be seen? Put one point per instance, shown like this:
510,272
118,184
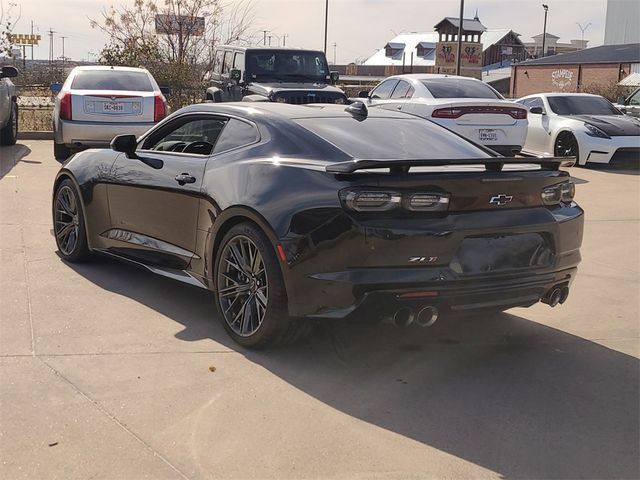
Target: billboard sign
179,24
446,55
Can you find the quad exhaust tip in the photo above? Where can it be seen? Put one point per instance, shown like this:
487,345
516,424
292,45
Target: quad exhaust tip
425,317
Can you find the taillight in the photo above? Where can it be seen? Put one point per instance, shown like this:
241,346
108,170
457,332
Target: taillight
383,201
455,112
159,109
65,106
560,192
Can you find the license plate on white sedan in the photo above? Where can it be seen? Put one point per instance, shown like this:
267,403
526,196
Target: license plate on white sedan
113,107
487,135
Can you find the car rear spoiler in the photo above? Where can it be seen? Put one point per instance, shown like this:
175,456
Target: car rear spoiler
490,163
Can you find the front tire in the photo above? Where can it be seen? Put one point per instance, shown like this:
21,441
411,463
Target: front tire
69,224
567,146
251,298
60,151
9,134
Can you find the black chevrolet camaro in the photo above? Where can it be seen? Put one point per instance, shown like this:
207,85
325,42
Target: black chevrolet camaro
293,212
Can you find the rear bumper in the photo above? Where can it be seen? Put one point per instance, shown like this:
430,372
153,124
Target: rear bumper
95,134
506,150
334,284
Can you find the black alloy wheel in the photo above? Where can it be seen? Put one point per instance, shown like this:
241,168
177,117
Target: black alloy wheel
68,223
566,146
9,134
250,291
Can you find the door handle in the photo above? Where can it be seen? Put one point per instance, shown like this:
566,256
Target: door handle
185,178
399,107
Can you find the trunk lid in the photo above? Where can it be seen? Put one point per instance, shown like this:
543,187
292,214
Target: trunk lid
112,106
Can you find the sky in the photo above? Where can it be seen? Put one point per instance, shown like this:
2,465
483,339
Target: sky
357,27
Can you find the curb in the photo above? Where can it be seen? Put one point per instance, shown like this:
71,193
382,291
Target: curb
35,135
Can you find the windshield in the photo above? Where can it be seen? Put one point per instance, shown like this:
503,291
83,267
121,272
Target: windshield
287,65
112,80
581,105
448,87
391,138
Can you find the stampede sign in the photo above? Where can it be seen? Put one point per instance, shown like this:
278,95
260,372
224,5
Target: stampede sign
562,78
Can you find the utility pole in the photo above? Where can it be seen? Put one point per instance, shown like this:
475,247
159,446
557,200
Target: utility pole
63,57
32,43
459,54
544,29
326,24
583,29
335,45
51,32
284,40
265,38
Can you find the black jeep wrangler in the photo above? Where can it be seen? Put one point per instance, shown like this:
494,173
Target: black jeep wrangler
272,75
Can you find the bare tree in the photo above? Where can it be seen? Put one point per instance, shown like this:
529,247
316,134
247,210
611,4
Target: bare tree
7,24
169,38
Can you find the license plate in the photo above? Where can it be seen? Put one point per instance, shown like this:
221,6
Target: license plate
487,135
112,107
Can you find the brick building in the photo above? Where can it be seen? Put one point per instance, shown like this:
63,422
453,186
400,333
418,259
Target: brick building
571,72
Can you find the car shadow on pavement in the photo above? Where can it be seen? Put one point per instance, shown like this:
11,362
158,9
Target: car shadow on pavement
10,156
506,393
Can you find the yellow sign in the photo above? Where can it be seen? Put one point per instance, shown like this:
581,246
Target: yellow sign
24,39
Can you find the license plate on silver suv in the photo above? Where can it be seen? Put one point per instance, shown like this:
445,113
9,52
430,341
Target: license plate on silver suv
487,135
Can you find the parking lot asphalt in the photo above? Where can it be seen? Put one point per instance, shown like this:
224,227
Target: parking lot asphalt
107,371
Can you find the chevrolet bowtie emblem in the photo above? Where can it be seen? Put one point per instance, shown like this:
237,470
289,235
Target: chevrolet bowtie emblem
501,199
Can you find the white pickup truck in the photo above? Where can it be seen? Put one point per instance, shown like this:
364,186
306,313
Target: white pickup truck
8,107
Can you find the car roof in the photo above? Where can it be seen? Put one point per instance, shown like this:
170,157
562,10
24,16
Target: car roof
258,48
109,67
431,76
273,109
561,94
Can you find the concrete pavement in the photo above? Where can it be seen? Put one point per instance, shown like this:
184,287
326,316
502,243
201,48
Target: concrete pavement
109,372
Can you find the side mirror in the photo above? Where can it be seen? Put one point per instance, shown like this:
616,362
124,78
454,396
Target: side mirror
334,76
621,100
166,91
55,88
8,72
363,94
126,144
235,75
623,110
536,110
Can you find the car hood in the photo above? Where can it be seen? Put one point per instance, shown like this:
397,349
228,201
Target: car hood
612,125
267,88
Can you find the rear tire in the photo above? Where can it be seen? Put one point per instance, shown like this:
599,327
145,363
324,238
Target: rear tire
60,151
251,298
9,134
69,224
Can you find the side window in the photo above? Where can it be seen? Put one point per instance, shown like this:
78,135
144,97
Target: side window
238,61
635,98
194,134
236,134
217,68
402,90
383,91
226,67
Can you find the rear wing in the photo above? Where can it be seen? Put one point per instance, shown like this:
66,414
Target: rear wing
490,163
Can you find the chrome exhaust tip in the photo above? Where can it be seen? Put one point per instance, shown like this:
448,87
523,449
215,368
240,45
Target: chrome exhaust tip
404,317
427,316
564,295
553,297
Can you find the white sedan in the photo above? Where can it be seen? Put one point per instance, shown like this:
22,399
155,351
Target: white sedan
465,105
580,125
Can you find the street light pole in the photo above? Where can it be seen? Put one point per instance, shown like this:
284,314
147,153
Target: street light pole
458,57
544,29
583,29
326,24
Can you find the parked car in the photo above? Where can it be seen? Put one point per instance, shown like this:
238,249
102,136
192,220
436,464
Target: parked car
8,107
290,212
273,75
631,104
580,125
96,103
465,105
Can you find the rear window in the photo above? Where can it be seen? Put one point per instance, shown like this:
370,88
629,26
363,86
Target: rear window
112,80
458,88
391,138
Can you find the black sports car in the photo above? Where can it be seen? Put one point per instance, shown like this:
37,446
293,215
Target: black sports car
323,211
